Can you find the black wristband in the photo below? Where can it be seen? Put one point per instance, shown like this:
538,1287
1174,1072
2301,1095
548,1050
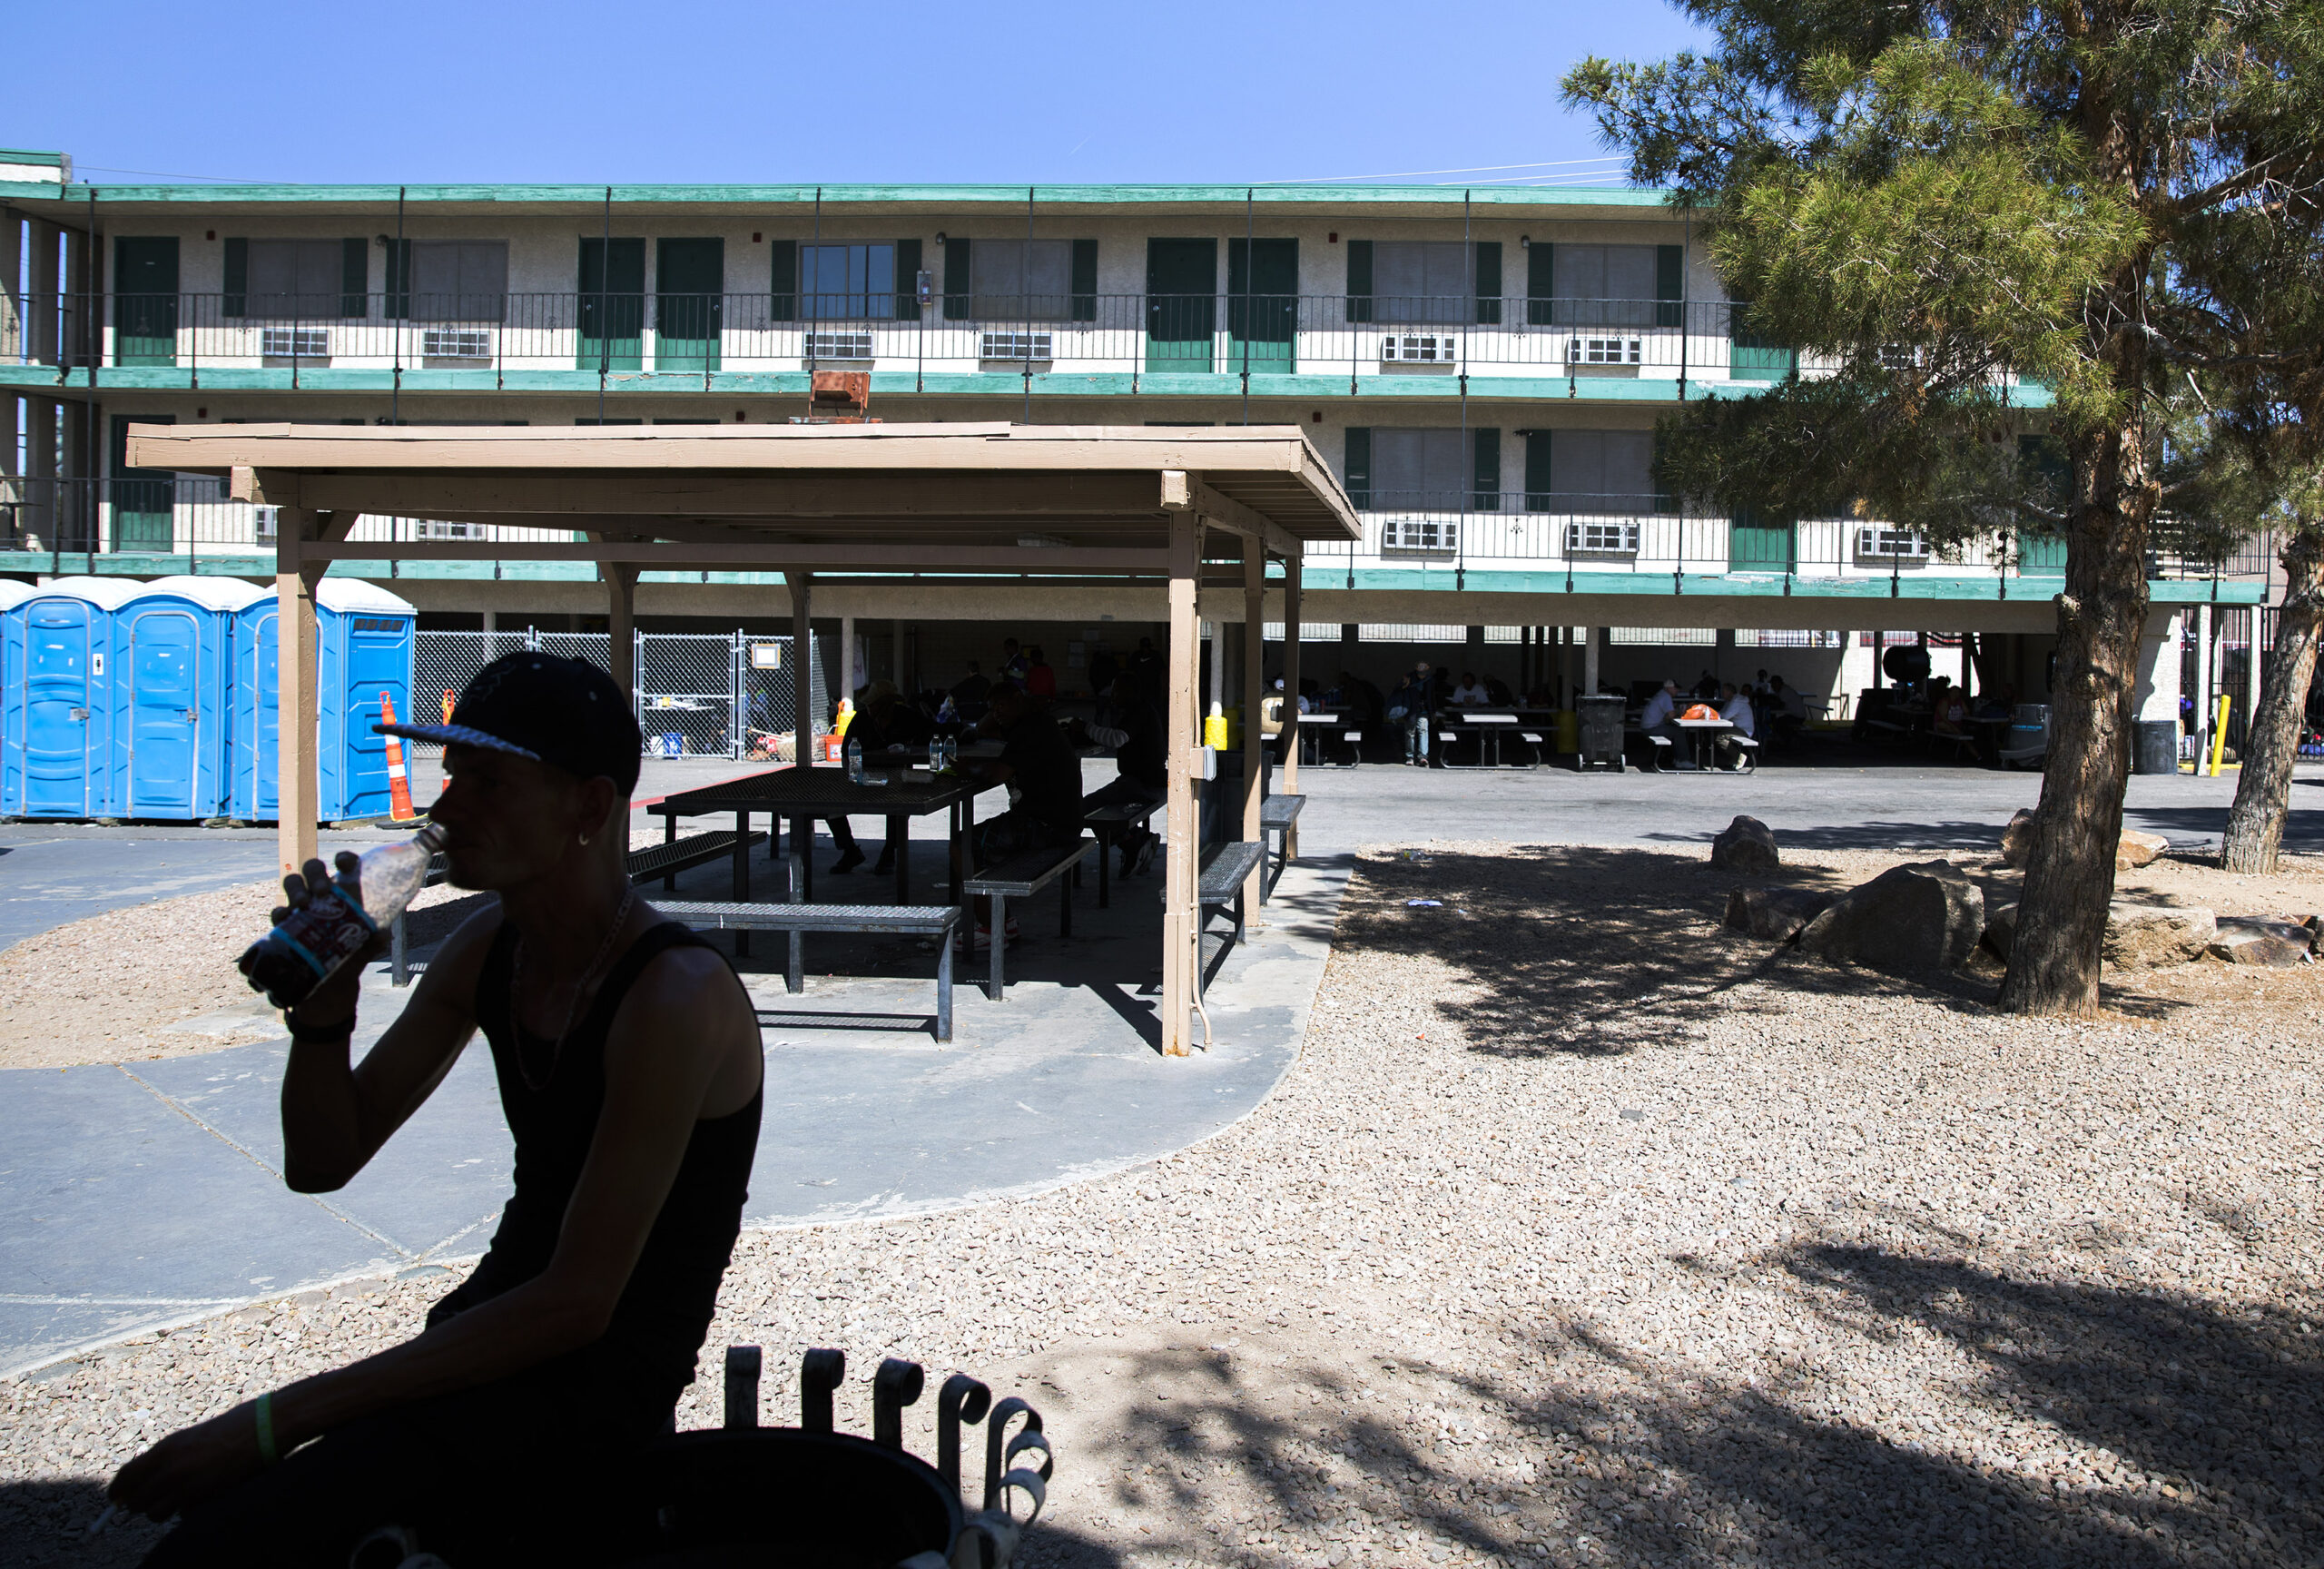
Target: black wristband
318,1034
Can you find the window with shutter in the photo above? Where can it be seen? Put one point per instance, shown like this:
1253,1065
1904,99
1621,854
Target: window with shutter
1670,284
1606,285
1486,493
1021,280
237,275
908,265
1085,281
1423,470
782,281
959,261
1421,280
1604,472
299,279
1355,467
848,282
1541,284
354,278
456,279
1488,282
1359,280
1541,478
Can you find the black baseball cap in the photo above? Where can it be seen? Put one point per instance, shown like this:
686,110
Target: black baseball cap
563,712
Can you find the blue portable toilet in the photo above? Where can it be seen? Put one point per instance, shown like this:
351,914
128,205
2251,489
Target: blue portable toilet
364,647
56,729
173,651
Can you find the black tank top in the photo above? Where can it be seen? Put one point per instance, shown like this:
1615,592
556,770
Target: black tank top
665,1311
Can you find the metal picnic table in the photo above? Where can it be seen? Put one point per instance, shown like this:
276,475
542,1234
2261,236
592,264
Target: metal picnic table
1703,734
803,794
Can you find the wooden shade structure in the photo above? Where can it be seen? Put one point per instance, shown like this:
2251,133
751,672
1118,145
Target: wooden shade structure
950,507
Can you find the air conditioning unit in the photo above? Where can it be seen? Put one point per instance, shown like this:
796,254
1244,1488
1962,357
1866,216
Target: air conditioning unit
436,528
294,342
456,342
1016,346
1421,535
1419,348
263,523
1880,542
823,346
1600,538
1605,352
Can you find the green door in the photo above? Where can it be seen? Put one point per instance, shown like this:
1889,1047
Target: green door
140,498
1757,546
1262,304
145,301
612,305
1181,304
689,303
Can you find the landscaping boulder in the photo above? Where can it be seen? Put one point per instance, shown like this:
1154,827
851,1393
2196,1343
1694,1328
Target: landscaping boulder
2017,841
1922,916
2138,936
1744,845
2249,940
2135,849
1775,914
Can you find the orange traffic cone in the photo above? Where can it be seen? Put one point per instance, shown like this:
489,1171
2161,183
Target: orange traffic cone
399,782
448,701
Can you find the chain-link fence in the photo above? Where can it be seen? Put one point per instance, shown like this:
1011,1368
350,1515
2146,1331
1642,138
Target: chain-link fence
699,695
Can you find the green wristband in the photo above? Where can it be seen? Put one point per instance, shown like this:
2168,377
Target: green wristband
266,1428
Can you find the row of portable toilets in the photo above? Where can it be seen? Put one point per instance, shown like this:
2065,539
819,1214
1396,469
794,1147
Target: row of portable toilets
157,700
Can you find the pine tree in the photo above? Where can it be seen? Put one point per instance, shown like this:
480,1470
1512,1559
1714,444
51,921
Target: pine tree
1979,219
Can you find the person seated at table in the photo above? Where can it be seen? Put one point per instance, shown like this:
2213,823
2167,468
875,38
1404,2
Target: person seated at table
1408,709
1705,687
1787,710
1470,693
969,694
1660,716
1951,716
1014,665
1498,693
881,723
1141,760
1040,681
1043,774
1735,707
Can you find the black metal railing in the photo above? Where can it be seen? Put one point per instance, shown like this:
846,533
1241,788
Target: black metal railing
1359,336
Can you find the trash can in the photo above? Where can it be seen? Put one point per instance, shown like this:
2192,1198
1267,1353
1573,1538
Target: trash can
2154,746
1601,731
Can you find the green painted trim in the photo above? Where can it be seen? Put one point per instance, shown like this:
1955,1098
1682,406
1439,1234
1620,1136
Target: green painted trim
27,155
1010,197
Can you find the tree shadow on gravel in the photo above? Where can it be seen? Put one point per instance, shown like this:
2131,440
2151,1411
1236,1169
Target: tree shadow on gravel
2210,1441
1599,951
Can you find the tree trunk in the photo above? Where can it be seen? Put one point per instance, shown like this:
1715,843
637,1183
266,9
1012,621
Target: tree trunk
2255,823
2101,615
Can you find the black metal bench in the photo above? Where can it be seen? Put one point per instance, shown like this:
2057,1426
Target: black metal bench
1279,815
1020,878
795,920
1227,871
1108,824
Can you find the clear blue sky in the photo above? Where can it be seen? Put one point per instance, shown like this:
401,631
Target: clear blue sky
690,90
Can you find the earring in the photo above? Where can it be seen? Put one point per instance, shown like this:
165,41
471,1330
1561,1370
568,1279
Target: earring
585,839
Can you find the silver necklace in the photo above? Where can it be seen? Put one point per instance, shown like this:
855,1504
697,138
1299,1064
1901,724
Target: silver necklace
516,980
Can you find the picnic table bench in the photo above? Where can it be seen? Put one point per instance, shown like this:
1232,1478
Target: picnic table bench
1106,825
1279,815
663,860
1020,878
795,920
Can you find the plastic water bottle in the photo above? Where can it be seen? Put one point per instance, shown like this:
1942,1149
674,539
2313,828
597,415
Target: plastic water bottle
854,761
314,942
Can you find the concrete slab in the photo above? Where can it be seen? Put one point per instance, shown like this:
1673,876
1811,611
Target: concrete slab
69,874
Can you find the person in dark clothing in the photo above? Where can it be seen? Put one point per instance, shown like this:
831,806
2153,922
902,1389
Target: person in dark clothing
969,692
1043,774
1103,669
882,724
1141,756
629,1067
1040,680
1146,667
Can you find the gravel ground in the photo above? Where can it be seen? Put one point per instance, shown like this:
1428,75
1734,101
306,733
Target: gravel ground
1582,1233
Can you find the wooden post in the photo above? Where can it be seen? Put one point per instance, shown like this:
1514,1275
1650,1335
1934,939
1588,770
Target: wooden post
299,794
1182,862
847,655
1255,688
1290,688
802,684
621,628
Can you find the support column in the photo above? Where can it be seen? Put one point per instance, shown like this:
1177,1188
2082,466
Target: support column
621,626
902,668
298,740
1180,861
1590,659
847,655
1254,680
2205,677
802,685
1291,678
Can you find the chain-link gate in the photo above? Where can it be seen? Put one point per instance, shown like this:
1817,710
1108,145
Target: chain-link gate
699,695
